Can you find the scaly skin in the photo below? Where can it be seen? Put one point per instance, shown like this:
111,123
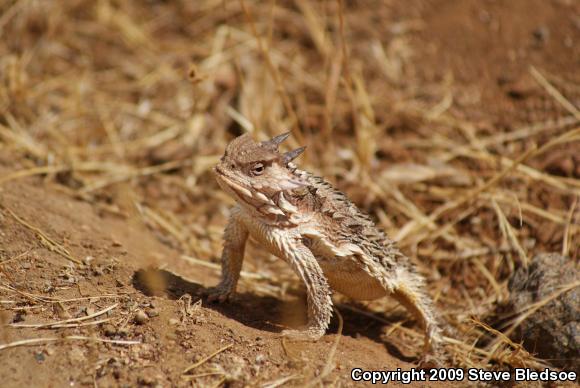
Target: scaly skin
327,241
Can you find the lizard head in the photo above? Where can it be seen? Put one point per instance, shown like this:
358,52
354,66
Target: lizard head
256,174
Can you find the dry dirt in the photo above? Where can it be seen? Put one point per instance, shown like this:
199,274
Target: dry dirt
65,255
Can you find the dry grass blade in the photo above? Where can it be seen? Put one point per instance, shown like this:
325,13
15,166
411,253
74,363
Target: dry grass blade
472,194
509,233
15,257
48,299
32,172
36,341
567,240
45,240
500,337
555,93
490,278
206,359
82,324
54,324
146,171
281,381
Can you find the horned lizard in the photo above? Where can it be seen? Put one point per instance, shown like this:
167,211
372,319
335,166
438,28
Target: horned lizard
328,242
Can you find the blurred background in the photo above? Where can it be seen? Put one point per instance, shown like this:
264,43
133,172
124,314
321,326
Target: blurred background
455,124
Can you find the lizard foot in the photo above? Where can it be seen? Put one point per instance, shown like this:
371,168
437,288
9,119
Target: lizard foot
219,294
430,361
305,334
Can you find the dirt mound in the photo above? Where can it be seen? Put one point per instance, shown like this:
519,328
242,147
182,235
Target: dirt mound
166,333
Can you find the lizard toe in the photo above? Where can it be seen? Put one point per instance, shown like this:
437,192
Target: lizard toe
218,295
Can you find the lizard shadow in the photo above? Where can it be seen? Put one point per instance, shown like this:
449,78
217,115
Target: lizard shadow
252,310
359,321
256,311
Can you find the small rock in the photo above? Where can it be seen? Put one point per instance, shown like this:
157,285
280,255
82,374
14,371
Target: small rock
553,330
152,313
149,379
141,317
109,330
39,357
61,311
174,322
87,260
541,34
19,316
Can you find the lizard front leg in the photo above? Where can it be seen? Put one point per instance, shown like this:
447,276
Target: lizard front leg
304,264
235,237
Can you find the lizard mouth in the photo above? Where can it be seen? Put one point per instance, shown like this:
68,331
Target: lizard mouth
231,187
246,196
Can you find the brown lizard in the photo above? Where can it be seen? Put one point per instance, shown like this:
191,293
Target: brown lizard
328,242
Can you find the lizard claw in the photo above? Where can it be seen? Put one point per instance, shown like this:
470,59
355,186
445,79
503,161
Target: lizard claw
429,361
305,334
219,295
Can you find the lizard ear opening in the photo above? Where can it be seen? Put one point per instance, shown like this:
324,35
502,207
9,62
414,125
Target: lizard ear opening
289,156
276,141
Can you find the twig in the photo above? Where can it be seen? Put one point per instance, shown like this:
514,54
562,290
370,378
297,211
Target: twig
281,381
15,257
554,92
205,374
146,171
206,358
467,197
35,341
49,325
510,235
45,240
567,239
49,299
82,324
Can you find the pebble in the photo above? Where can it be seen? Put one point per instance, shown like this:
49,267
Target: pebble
541,34
39,357
141,317
109,330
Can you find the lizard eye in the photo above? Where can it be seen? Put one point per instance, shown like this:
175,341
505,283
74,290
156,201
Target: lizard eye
257,169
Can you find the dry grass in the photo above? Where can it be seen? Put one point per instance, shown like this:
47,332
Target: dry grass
102,104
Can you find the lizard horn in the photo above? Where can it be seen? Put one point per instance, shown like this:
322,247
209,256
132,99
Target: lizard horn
276,141
291,155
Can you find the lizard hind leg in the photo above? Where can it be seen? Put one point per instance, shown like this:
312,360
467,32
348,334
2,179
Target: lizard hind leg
408,292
